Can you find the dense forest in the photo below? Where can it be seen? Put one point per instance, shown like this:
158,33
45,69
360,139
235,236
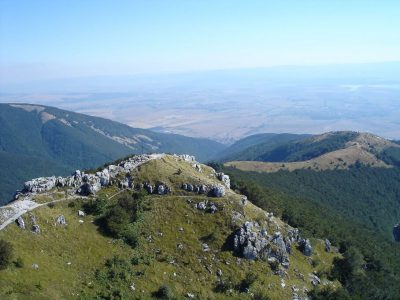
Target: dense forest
355,209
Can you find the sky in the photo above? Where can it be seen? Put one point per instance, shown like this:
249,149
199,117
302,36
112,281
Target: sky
75,38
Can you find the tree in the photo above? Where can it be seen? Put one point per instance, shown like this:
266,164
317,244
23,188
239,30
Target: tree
6,253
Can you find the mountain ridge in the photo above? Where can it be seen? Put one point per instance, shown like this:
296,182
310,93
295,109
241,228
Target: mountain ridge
37,140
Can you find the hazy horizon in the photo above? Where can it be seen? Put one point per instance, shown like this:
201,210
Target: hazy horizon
221,70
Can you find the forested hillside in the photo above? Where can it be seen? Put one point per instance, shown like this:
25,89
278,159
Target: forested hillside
43,141
356,209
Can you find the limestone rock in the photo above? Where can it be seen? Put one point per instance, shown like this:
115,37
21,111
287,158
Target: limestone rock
225,179
35,228
201,206
39,185
20,222
218,191
306,247
61,220
327,245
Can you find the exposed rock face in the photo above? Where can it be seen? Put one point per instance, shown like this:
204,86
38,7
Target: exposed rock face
20,223
39,185
104,177
225,179
186,157
217,191
163,189
305,247
89,184
396,232
253,242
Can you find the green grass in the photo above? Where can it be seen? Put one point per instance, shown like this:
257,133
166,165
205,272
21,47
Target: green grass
156,261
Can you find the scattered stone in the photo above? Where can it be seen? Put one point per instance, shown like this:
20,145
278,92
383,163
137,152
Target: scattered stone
35,266
283,284
61,220
205,247
190,295
179,246
243,201
219,272
213,208
81,213
81,221
133,288
197,167
314,279
35,228
201,206
20,222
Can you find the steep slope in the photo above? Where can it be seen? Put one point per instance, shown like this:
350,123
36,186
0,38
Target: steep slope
333,150
42,141
161,226
356,209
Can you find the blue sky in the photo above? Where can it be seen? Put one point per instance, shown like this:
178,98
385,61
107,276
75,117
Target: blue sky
55,39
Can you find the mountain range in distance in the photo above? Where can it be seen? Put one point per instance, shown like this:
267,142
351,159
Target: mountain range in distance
38,140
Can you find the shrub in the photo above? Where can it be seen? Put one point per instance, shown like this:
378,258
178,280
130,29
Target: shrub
19,263
95,207
164,292
51,205
6,253
116,221
248,281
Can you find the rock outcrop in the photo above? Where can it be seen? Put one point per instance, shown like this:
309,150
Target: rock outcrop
253,242
225,179
89,184
217,191
20,222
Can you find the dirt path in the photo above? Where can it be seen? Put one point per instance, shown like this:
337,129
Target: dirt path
17,208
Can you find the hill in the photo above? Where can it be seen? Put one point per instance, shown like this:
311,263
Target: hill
356,209
43,141
333,150
156,226
250,147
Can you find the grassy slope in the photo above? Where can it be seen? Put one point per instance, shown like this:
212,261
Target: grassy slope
87,249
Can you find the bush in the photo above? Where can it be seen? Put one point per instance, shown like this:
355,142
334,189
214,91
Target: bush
116,221
95,207
19,263
248,281
51,205
6,253
163,292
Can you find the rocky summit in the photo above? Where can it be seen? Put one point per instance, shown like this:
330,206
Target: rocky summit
150,226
